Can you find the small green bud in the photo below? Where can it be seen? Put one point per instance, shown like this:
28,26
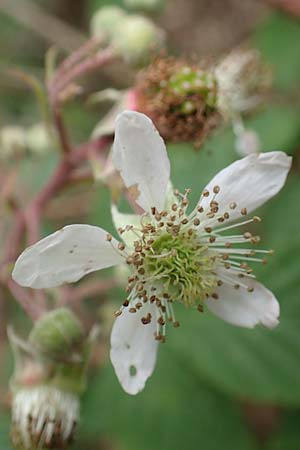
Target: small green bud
146,6
58,334
49,377
136,39
106,20
12,142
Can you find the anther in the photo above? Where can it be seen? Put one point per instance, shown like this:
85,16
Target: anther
244,211
256,219
200,308
216,189
109,237
250,289
215,295
176,324
121,246
200,209
132,310
205,193
117,313
147,319
174,207
208,229
196,222
232,205
161,321
126,303
184,221
226,215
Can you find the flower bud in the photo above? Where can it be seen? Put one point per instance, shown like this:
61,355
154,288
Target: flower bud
242,81
38,140
58,334
12,142
50,375
137,39
146,6
106,20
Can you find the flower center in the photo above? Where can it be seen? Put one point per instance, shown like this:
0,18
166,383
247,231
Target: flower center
184,266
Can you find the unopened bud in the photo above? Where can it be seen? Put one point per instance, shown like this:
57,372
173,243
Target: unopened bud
106,21
146,6
12,142
137,39
49,377
38,140
58,334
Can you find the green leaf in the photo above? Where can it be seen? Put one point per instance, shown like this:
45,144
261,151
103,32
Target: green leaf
174,412
277,38
287,437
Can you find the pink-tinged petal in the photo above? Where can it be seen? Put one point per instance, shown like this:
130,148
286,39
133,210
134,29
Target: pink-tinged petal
140,155
246,309
66,256
134,349
247,183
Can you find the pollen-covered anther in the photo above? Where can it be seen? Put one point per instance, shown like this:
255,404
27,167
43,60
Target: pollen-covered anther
147,319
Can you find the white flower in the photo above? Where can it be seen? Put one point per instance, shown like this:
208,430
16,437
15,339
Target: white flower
175,256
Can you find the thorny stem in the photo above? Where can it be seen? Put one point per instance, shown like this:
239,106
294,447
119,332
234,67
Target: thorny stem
28,218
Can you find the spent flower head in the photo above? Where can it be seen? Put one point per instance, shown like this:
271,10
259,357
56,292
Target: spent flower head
177,255
180,98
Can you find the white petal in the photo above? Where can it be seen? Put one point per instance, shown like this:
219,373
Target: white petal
134,349
249,182
139,153
121,220
246,309
65,256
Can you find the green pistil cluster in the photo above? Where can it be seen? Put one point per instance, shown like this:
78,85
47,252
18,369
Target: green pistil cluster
190,82
183,265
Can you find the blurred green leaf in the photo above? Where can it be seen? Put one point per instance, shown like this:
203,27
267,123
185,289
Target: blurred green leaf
174,412
287,437
278,39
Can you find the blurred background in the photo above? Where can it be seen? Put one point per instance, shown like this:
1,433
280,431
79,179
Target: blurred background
215,386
